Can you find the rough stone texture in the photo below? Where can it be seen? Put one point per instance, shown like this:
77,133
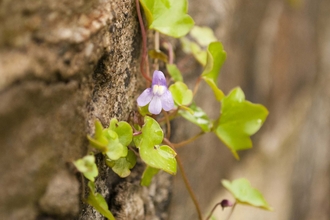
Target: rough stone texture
62,65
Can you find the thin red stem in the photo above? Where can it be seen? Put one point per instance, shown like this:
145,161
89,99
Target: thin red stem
210,215
197,85
144,44
231,212
168,134
170,53
182,143
186,182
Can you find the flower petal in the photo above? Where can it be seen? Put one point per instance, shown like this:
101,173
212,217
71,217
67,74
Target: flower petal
167,101
155,106
158,78
145,97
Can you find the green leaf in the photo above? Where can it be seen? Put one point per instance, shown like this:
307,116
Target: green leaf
98,133
123,165
160,157
216,56
144,110
199,54
147,175
203,35
112,141
99,141
96,144
98,202
123,130
243,192
198,117
168,16
174,72
185,44
181,94
115,148
87,167
157,54
239,120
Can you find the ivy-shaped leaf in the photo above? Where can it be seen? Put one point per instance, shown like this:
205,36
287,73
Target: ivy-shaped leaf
87,167
238,121
216,56
181,94
203,35
199,54
174,72
123,165
160,157
198,117
98,202
112,141
123,130
115,148
243,192
147,175
168,16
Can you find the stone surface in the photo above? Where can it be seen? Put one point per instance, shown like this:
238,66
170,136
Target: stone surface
64,64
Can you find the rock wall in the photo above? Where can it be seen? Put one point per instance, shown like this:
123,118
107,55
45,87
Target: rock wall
64,64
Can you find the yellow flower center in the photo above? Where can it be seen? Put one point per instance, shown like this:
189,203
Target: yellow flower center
158,90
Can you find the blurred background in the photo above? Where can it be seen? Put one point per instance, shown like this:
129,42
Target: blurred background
278,52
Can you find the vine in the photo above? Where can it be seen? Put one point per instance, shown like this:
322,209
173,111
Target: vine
122,142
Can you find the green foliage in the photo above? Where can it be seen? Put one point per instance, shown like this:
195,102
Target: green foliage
98,202
216,56
112,141
243,192
203,35
174,72
181,94
87,167
168,16
197,116
239,120
199,54
123,165
147,175
151,152
144,110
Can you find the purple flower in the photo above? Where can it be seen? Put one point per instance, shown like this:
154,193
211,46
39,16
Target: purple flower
158,95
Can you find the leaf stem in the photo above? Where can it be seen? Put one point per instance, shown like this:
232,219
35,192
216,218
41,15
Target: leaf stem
144,64
182,143
137,133
156,48
168,134
231,212
213,209
170,53
197,85
186,182
173,113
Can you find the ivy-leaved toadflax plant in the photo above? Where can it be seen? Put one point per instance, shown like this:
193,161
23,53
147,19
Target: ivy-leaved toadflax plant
158,96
